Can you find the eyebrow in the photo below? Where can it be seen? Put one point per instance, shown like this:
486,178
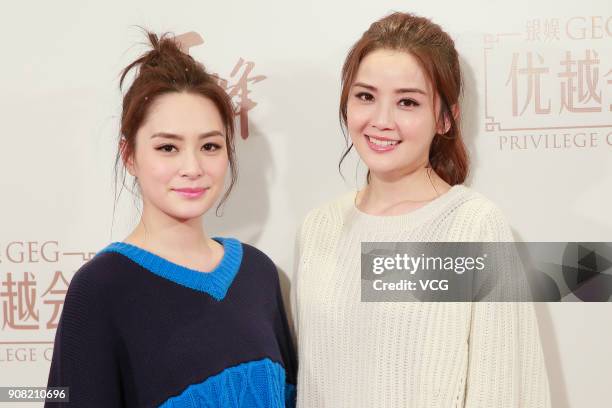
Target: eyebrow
167,135
398,91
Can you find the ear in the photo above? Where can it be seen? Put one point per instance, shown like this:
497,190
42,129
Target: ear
128,161
444,125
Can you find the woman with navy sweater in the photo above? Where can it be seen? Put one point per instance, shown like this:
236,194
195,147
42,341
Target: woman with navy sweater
169,316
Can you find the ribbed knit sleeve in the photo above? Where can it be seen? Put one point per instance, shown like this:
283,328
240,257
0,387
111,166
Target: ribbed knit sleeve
287,349
506,364
303,253
294,282
83,355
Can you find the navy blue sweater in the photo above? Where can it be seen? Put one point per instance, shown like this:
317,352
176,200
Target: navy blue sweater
140,331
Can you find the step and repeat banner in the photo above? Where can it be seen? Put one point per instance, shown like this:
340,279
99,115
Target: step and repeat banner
537,111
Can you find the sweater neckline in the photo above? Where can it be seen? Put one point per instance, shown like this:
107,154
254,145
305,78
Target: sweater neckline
431,205
216,282
456,193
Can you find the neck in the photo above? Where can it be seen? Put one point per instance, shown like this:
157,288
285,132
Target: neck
160,232
401,193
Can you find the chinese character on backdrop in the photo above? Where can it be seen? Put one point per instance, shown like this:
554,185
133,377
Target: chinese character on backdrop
239,92
55,294
532,82
19,302
580,81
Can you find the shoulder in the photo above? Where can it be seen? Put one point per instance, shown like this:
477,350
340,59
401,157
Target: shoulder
100,274
475,203
91,290
252,254
330,214
483,214
258,263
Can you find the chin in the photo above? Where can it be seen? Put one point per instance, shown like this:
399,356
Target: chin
188,213
382,168
388,166
186,216
389,172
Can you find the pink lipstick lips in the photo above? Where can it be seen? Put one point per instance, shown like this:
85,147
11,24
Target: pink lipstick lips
381,144
190,192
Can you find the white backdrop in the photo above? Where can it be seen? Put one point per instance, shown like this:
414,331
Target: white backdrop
542,154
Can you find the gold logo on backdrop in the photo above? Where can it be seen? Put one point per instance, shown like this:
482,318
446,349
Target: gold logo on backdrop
32,292
550,87
24,294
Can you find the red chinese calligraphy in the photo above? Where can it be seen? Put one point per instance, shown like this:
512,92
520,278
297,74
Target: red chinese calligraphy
239,92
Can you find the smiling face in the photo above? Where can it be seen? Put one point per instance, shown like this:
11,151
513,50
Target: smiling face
391,114
180,156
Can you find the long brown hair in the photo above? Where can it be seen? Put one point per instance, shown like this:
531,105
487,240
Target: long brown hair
435,51
165,69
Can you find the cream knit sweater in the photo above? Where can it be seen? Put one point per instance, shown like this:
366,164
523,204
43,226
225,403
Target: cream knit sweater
411,354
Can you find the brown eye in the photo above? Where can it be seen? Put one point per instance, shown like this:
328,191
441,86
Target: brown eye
408,103
365,96
211,147
167,148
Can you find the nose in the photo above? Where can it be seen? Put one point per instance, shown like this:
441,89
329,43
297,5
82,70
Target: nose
382,118
191,166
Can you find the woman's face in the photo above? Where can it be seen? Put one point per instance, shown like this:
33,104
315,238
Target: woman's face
180,157
390,113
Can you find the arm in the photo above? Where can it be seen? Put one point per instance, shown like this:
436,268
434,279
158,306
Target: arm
83,356
293,309
505,364
287,349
